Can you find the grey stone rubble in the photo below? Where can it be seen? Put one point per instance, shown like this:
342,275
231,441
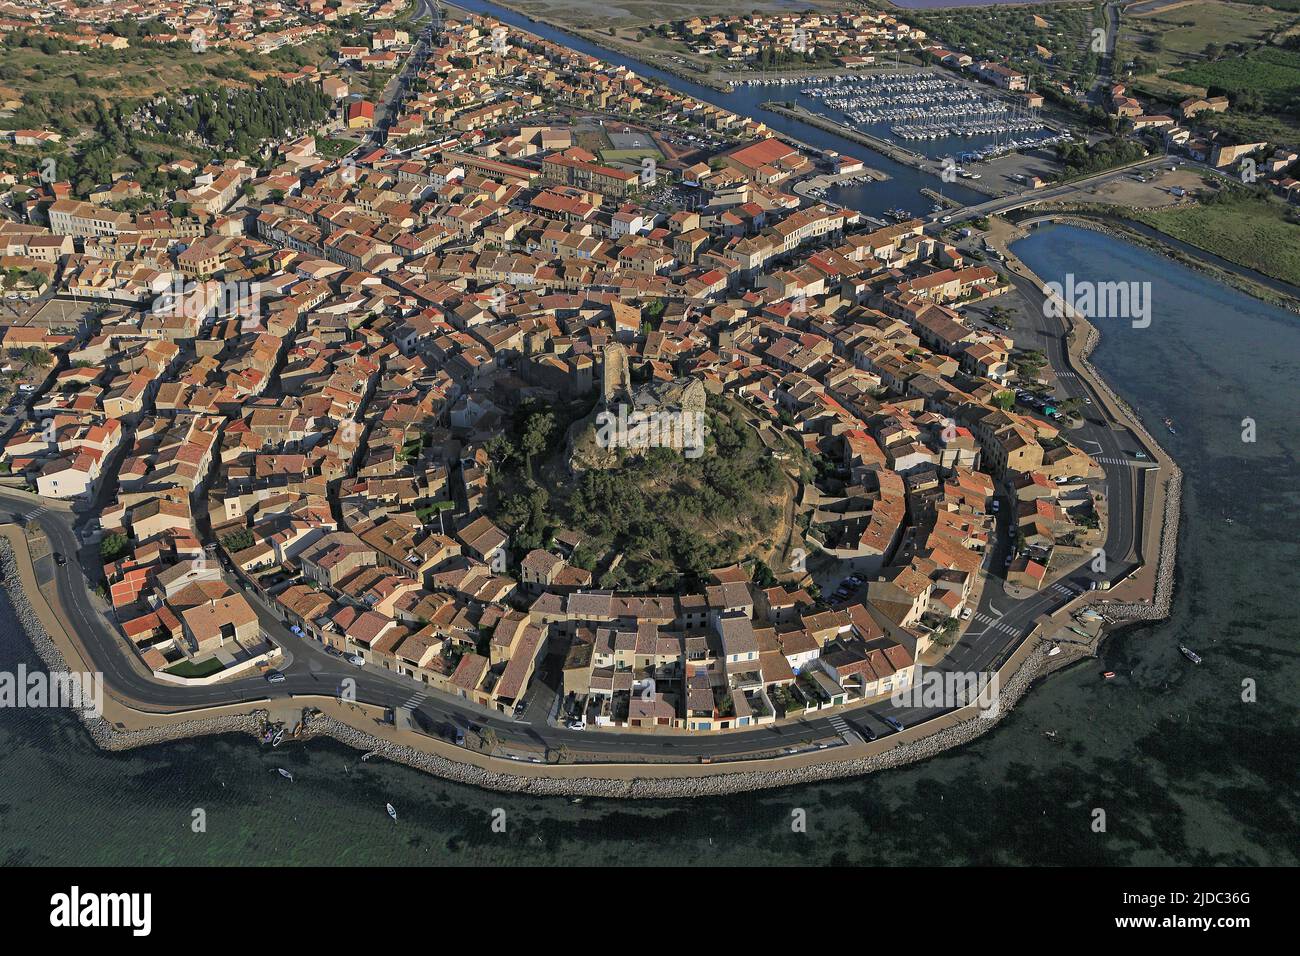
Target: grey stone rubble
101,731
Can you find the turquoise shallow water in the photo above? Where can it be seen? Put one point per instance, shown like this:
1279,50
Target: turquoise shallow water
1186,772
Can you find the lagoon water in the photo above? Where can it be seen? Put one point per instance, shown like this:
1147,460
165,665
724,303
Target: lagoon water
1185,770
902,190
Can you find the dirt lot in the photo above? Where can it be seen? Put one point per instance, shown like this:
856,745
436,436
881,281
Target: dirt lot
1127,191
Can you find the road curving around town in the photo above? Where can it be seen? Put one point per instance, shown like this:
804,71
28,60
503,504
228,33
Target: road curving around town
362,727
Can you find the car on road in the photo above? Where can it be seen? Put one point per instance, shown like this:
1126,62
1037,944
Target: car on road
577,725
894,722
274,677
966,614
867,733
520,708
1140,455
997,505
356,659
456,735
59,559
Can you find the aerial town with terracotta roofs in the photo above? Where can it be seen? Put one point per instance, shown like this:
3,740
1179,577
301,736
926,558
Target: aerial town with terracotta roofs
352,385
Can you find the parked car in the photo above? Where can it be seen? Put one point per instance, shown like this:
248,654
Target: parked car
59,559
966,614
356,659
895,723
274,677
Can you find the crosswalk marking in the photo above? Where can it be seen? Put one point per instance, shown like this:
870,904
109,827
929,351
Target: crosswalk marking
840,727
416,700
1106,460
1064,588
36,514
996,623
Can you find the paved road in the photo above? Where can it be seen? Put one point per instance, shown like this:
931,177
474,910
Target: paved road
1029,197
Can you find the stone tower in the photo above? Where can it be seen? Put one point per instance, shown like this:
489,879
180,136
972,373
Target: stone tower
616,379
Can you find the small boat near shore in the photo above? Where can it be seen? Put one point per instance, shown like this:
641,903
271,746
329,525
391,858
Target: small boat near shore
392,811
1190,654
286,774
1169,423
1107,675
